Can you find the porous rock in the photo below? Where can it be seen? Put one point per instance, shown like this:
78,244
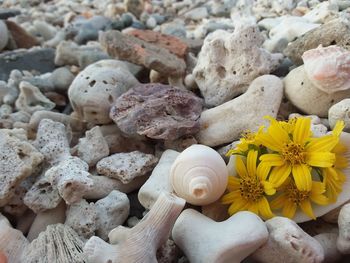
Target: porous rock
229,62
18,160
225,123
157,111
126,166
95,89
288,243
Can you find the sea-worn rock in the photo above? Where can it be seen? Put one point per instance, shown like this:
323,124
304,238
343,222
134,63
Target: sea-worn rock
229,62
135,50
18,160
8,12
343,241
173,44
134,6
288,243
328,242
20,36
126,166
225,123
335,32
171,112
306,97
4,35
340,111
95,89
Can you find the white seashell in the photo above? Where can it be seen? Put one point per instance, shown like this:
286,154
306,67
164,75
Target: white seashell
328,68
199,175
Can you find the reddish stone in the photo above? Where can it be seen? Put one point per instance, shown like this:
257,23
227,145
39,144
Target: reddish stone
157,111
171,43
20,36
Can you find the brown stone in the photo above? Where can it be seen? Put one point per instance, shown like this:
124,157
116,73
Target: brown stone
157,111
20,36
171,43
137,51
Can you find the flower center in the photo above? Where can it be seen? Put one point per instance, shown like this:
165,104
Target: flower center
248,135
251,189
296,196
294,153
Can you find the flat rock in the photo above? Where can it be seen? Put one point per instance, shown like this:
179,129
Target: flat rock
135,50
335,32
20,35
7,13
126,166
157,111
172,44
40,60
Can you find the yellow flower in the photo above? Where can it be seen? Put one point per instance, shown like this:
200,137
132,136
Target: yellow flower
292,198
248,138
295,153
247,191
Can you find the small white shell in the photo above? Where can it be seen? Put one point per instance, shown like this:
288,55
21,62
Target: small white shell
199,175
328,68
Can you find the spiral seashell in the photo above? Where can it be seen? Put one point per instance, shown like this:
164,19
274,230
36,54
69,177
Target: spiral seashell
199,175
328,68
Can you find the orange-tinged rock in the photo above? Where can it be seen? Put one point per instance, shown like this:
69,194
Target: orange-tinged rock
20,35
3,258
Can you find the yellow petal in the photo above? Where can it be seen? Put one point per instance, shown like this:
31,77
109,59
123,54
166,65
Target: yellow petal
289,209
301,130
279,135
339,148
272,159
269,188
338,128
279,201
231,197
307,209
322,144
240,167
319,199
302,177
264,208
320,159
253,207
251,162
340,162
233,183
279,174
263,171
238,205
318,188
269,142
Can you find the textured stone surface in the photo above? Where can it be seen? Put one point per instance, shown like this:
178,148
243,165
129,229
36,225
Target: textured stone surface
18,160
4,35
20,36
335,32
229,62
140,52
343,241
340,111
329,243
157,111
126,166
288,243
173,44
7,13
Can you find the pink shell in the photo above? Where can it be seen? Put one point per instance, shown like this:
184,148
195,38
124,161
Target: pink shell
328,68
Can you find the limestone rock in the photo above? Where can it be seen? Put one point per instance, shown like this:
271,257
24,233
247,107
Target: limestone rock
225,123
95,89
171,112
335,32
229,62
288,243
305,96
126,166
18,160
329,243
135,50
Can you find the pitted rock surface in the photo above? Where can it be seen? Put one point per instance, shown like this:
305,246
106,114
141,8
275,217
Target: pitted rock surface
157,111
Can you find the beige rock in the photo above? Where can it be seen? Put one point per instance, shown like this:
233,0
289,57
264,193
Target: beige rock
329,243
340,111
229,62
305,96
288,243
228,241
343,241
225,123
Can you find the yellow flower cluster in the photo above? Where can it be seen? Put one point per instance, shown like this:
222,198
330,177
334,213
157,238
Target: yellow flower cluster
285,167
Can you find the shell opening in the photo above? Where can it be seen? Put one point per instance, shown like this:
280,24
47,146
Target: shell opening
200,187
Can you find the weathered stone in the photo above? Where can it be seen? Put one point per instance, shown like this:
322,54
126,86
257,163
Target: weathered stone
18,160
126,166
7,13
4,35
173,44
229,62
134,6
140,52
20,36
335,32
157,111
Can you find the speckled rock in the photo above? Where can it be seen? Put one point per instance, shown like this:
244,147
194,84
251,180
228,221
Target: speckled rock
229,62
95,89
18,160
288,243
171,112
126,166
335,32
140,52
